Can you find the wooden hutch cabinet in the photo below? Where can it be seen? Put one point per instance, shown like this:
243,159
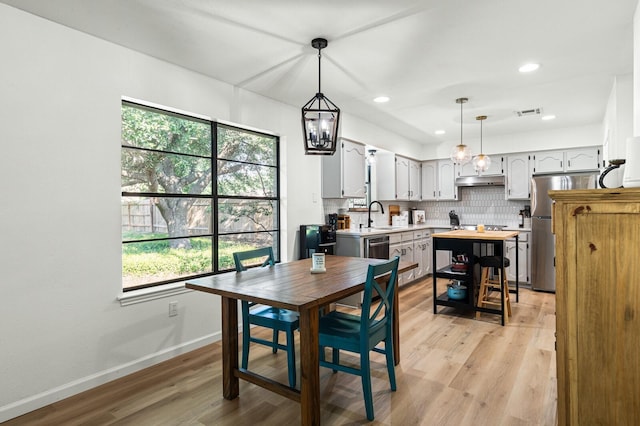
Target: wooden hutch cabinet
598,305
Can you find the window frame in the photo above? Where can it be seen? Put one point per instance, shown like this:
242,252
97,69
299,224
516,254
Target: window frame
214,197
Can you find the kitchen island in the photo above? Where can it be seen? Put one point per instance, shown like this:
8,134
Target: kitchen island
467,245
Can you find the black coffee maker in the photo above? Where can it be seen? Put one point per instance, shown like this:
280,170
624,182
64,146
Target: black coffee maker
332,221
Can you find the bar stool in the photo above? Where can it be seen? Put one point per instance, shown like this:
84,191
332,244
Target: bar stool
487,285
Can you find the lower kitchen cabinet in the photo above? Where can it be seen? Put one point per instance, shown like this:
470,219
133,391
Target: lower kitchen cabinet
524,258
401,244
422,253
597,306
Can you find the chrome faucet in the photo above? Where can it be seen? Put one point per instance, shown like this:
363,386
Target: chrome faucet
369,220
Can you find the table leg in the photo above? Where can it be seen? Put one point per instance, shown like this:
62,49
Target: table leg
310,367
230,382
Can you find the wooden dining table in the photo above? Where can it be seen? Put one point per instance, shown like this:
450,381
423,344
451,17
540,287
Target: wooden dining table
289,285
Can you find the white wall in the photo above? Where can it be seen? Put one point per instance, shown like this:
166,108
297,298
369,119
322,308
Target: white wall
618,119
63,331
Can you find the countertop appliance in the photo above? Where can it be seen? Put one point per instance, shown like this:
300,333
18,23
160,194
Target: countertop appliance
454,220
316,239
377,247
543,273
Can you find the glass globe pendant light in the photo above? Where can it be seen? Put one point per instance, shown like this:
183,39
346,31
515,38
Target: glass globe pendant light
481,162
461,154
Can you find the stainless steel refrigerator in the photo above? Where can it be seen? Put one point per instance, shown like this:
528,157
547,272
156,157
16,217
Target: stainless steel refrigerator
543,273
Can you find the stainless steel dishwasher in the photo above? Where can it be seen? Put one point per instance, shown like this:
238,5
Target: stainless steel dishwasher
377,247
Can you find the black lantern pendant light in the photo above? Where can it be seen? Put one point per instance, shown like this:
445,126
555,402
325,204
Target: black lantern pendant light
481,162
320,117
461,154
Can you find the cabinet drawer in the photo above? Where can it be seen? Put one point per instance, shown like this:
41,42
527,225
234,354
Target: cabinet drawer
394,238
407,236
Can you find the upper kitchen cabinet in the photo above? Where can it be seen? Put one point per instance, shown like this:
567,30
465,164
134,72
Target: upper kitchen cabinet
397,177
429,187
496,168
582,159
518,177
548,162
343,174
415,171
438,180
572,160
447,189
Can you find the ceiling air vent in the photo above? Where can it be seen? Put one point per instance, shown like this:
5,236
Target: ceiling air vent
528,112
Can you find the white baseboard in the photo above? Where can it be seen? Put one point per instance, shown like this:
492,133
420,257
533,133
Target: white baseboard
50,396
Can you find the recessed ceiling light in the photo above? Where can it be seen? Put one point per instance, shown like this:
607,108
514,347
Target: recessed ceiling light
529,67
548,117
381,99
440,132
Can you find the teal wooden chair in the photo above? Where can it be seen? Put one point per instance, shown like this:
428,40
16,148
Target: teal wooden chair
266,316
361,334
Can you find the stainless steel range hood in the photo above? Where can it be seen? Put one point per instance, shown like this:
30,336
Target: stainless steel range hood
480,181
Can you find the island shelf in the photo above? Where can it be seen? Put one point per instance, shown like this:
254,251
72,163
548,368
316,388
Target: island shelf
469,245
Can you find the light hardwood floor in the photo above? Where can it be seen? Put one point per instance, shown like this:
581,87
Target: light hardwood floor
454,370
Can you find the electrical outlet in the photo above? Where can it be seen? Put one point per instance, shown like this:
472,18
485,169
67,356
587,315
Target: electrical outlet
173,309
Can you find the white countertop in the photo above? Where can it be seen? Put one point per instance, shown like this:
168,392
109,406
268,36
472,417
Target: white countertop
385,229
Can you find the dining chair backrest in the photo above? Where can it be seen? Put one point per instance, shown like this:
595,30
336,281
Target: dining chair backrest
259,253
377,285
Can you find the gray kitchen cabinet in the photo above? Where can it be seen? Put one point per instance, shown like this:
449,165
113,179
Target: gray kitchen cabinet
402,244
518,179
438,180
415,171
427,253
496,168
429,187
447,189
395,249
567,161
403,190
548,162
582,159
397,177
343,174
408,255
524,258
422,253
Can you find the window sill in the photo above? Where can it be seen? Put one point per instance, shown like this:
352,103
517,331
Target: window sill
151,293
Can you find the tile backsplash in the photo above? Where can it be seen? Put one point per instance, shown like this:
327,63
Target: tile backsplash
476,205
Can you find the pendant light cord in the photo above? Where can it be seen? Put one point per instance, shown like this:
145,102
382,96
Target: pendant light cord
319,61
461,103
481,151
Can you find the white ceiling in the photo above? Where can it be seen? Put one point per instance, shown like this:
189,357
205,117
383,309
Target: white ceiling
422,53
